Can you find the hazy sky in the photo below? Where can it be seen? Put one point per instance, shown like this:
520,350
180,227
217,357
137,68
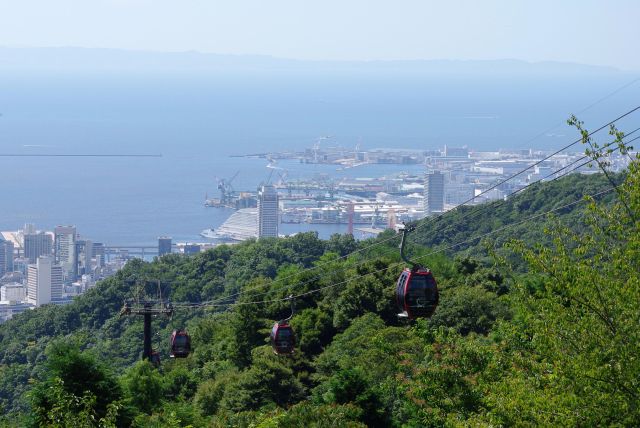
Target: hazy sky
585,31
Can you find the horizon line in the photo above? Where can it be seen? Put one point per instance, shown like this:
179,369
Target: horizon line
320,60
77,155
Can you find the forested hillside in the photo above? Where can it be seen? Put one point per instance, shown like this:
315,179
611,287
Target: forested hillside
537,325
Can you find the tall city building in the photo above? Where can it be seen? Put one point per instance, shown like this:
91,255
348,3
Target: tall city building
433,192
36,245
267,211
164,245
44,281
98,253
84,254
6,256
65,251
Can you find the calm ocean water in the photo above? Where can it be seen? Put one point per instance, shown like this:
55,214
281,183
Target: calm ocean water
196,122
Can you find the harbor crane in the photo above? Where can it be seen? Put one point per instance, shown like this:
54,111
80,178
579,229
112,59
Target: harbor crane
376,215
226,190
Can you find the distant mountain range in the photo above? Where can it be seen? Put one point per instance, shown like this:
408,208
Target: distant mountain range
90,59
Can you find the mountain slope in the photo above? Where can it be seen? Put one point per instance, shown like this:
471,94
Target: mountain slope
356,362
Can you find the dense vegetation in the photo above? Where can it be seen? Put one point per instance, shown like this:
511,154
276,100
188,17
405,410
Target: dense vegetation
551,341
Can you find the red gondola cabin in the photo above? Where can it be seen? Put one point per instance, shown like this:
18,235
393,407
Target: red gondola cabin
180,344
283,340
416,293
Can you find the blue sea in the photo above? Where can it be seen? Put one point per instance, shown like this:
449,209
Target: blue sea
197,121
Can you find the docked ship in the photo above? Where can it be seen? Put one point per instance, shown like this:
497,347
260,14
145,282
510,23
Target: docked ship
240,226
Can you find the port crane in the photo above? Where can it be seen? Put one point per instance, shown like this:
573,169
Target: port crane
226,190
376,215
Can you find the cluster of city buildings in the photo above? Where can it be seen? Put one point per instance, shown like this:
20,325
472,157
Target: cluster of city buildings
39,267
48,267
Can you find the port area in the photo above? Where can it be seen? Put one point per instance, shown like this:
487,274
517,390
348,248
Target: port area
344,157
367,203
441,180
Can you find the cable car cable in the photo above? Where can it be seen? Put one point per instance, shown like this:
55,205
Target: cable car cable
435,218
497,184
589,107
554,173
460,243
428,254
557,177
212,303
587,139
471,213
494,204
586,156
398,264
534,164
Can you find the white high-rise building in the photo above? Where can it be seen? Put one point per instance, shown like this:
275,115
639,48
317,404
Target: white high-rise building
433,192
268,211
44,281
66,254
6,256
